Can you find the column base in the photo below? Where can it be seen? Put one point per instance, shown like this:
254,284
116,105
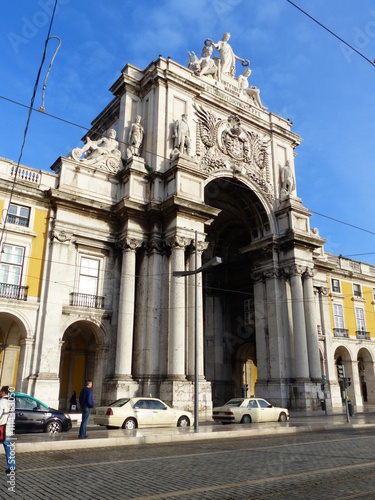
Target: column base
180,394
46,388
300,394
119,388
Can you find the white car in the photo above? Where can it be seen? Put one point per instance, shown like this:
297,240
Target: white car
245,411
141,412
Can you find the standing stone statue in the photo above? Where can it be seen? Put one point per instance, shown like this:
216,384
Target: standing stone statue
135,139
181,136
287,180
227,56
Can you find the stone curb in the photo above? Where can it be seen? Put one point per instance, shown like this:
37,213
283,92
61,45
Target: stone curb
183,435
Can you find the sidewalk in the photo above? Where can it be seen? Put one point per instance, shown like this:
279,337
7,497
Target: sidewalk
100,437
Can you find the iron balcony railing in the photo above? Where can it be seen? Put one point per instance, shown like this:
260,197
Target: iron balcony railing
86,300
16,292
340,332
18,220
363,335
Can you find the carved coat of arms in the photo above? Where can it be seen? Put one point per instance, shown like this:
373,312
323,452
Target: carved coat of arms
226,144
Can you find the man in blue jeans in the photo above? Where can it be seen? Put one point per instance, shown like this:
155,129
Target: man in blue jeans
86,402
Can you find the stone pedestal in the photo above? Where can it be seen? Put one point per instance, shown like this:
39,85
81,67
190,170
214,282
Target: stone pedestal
116,389
180,394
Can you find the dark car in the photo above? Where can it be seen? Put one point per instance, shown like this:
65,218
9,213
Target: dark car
34,416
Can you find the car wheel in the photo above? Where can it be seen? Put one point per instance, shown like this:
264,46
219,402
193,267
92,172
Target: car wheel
183,422
246,419
53,427
130,423
282,417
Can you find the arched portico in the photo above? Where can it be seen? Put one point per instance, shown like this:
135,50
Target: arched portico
82,357
13,333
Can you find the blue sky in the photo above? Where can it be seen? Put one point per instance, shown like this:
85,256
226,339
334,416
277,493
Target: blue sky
303,72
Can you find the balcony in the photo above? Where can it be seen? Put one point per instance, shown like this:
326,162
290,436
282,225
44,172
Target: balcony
363,335
341,332
18,220
85,300
15,292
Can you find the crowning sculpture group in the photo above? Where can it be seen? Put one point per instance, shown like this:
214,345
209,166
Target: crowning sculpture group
226,137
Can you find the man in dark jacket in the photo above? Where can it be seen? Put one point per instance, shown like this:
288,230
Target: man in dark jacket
86,402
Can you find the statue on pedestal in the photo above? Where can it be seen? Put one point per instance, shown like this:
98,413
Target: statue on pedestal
287,180
135,139
181,136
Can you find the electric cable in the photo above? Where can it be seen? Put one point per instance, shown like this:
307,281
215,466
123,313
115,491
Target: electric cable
372,62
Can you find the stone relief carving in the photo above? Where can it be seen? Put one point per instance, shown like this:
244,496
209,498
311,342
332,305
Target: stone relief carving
287,184
61,236
181,137
226,144
103,153
135,139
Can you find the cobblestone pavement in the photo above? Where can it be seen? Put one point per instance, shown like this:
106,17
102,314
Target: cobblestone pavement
315,465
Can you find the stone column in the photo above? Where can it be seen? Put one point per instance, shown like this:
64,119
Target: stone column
97,385
274,302
176,348
141,315
24,364
198,308
261,329
299,325
154,311
311,326
124,343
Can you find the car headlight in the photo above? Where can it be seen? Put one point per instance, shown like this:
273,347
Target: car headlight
67,416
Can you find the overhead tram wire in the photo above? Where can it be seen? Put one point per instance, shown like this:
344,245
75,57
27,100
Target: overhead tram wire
372,62
27,124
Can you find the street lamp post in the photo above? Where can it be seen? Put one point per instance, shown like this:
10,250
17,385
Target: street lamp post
211,263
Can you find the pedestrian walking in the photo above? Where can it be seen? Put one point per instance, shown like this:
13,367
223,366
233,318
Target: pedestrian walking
4,418
86,402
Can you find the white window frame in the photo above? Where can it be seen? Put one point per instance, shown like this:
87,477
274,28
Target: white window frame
17,215
12,264
336,308
360,319
87,274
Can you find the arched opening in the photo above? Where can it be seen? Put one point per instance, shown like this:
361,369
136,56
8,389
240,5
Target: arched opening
343,358
230,344
12,331
80,360
366,376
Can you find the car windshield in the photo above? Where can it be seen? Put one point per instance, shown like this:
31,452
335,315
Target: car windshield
234,402
119,402
29,403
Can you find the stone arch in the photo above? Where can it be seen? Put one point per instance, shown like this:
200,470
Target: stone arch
13,331
366,375
83,356
343,356
245,217
246,369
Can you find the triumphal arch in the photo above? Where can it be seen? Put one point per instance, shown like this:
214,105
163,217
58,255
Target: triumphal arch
192,150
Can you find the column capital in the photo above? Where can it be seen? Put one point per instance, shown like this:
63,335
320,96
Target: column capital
178,242
309,272
129,244
201,246
323,290
294,270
